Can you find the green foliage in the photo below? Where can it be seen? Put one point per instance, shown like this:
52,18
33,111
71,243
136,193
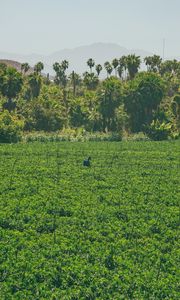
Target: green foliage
90,80
60,69
77,112
133,64
106,232
38,67
25,67
121,119
126,102
158,131
136,137
34,86
84,112
45,112
109,98
108,68
10,128
42,115
142,98
10,85
91,64
98,69
72,135
175,105
76,81
153,63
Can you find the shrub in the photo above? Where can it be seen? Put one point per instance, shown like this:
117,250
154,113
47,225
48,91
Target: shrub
158,131
42,119
136,137
10,128
73,135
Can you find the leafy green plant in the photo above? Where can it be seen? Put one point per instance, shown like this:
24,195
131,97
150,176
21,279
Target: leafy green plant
10,128
73,135
104,232
158,131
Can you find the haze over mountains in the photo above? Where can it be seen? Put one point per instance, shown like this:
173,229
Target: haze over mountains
77,57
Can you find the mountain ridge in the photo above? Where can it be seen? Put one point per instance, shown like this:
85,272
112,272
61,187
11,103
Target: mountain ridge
77,56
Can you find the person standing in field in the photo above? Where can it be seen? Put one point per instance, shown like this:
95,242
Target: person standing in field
86,162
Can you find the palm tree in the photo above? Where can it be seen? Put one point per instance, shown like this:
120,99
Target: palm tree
56,67
157,60
115,64
91,64
108,68
123,64
61,78
148,62
90,80
169,66
65,65
175,66
11,84
34,82
133,64
38,67
75,80
120,71
25,67
98,69
153,63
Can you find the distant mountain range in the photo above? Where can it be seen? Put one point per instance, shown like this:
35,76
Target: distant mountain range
77,57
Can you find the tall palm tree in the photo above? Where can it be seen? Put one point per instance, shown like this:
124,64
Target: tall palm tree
153,63
169,66
75,79
148,62
56,67
90,80
175,66
123,64
108,68
120,71
133,64
25,67
60,78
157,60
98,69
65,65
38,67
91,64
115,64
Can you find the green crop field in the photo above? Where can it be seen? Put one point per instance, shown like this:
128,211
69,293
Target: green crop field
105,232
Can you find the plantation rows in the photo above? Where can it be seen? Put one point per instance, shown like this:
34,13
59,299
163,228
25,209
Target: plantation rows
105,232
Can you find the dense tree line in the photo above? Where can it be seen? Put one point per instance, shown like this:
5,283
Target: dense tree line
128,100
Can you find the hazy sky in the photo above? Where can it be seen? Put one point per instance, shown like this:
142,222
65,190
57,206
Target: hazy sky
45,26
